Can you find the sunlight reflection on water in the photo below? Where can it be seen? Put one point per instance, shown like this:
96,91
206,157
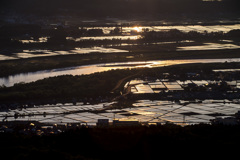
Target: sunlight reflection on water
89,69
151,111
209,46
44,53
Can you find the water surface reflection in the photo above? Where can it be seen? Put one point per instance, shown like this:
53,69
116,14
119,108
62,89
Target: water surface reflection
89,69
145,111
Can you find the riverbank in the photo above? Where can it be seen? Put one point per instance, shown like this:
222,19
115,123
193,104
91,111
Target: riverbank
164,44
68,87
45,63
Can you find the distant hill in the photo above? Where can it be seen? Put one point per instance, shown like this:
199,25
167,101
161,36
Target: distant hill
120,8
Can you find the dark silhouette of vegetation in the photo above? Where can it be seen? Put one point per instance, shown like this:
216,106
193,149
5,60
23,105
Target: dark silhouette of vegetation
116,31
68,87
175,34
138,52
11,40
135,142
235,34
20,30
58,36
139,142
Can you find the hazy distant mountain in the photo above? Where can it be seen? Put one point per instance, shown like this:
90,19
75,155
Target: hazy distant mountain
120,8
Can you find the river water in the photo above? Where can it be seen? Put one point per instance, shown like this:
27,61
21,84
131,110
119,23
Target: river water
89,69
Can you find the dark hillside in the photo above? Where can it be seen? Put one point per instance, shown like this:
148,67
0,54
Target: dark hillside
126,143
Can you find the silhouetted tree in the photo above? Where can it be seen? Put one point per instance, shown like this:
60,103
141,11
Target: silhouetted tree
58,36
116,31
234,33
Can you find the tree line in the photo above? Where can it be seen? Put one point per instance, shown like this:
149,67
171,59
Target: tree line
10,35
129,142
65,87
175,34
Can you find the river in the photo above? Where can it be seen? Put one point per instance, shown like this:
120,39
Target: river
89,69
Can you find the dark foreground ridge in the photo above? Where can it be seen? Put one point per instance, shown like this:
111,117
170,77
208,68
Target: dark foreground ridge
138,142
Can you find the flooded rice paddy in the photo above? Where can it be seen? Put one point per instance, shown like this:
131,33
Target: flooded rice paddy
129,33
133,37
139,86
44,53
183,28
148,87
145,111
89,69
150,111
209,46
